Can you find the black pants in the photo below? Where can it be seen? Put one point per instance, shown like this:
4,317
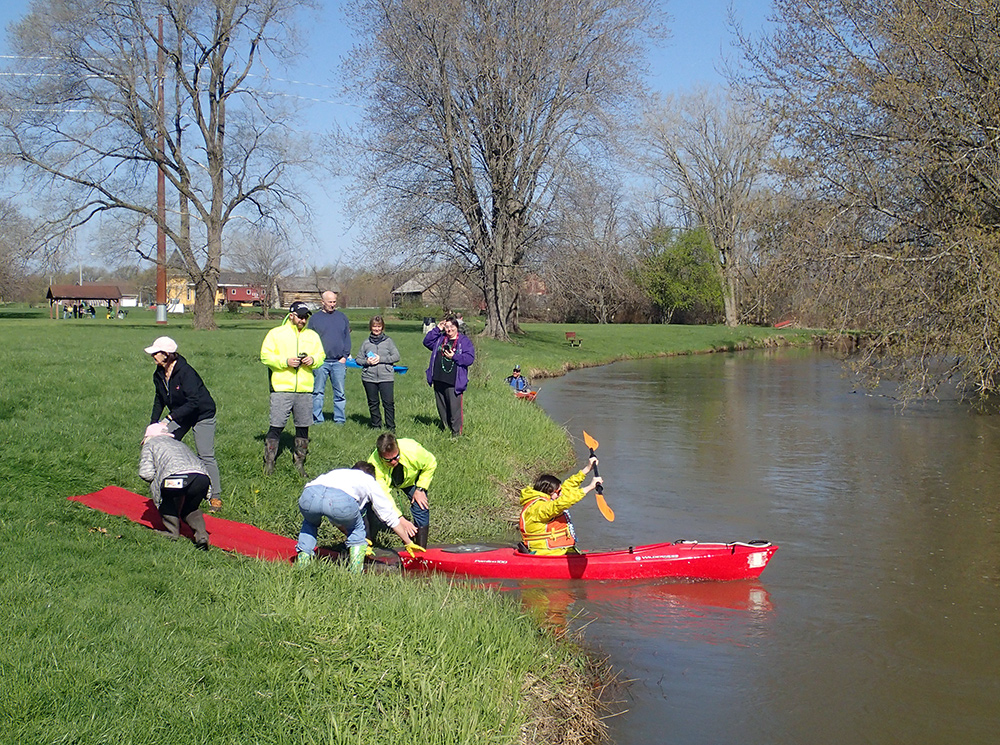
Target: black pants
180,502
449,406
384,390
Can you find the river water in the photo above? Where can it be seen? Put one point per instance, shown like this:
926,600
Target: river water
878,620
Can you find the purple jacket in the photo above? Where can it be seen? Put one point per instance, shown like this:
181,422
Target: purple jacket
465,355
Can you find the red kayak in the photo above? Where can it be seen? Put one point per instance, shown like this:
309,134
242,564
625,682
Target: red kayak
526,395
680,560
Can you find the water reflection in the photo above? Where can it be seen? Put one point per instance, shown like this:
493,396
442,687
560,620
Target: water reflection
878,621
708,611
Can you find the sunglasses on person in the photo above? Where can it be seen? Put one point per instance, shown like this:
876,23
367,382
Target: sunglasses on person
390,459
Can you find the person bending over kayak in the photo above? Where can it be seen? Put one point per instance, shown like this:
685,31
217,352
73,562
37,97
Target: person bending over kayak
340,495
545,526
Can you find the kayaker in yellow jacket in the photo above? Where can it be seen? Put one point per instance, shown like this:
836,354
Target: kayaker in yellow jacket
291,352
545,526
406,465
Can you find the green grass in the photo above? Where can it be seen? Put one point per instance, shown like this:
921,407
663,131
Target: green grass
110,633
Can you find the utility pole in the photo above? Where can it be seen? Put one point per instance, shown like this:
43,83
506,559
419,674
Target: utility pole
161,188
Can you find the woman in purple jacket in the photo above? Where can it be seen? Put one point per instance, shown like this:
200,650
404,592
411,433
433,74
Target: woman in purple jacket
448,374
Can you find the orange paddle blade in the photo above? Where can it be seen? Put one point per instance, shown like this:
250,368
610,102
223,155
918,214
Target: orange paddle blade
602,505
590,441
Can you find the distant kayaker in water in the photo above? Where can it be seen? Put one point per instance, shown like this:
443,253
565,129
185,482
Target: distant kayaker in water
545,526
517,381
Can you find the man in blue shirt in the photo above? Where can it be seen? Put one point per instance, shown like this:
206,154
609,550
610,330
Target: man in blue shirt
516,381
335,331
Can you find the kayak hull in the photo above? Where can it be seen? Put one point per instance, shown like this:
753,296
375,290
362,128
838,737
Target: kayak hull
679,560
526,395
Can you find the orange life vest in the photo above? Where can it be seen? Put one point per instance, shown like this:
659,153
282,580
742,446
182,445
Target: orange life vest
557,533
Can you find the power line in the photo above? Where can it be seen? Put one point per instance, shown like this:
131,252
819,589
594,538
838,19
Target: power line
284,94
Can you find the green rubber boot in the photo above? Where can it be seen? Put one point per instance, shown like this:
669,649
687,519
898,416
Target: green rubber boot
357,559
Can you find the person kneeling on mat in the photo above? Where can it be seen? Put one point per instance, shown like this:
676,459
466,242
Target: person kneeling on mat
178,481
340,496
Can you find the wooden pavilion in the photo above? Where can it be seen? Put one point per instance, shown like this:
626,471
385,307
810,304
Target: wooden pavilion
92,295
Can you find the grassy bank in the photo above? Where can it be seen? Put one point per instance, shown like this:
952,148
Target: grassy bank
110,633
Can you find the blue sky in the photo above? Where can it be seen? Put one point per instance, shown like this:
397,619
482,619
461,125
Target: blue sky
689,57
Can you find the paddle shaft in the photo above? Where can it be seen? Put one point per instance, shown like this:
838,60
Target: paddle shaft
600,487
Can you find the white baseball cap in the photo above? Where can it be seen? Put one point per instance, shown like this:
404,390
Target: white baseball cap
162,344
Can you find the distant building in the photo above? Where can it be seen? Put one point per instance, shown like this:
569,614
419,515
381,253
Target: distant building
103,296
306,290
448,288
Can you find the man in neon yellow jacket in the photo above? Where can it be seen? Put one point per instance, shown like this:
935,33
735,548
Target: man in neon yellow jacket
545,525
291,353
406,465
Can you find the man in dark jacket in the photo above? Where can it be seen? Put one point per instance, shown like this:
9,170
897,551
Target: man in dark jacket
335,331
178,387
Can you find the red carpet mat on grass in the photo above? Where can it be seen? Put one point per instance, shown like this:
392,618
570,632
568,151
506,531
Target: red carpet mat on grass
225,534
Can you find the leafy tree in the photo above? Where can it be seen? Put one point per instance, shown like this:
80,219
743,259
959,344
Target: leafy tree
709,153
889,113
82,113
678,272
478,112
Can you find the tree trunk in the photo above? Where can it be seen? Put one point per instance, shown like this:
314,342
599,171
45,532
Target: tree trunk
204,301
501,295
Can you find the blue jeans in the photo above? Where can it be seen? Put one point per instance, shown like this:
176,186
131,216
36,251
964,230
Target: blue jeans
338,507
336,371
421,517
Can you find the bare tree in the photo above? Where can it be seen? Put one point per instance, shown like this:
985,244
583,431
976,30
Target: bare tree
708,151
16,248
889,117
83,113
478,111
587,263
263,256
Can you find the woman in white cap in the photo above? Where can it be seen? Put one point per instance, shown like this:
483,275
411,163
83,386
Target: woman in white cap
179,388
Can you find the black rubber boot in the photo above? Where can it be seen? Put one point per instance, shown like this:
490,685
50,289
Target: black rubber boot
172,523
196,519
299,458
270,455
421,537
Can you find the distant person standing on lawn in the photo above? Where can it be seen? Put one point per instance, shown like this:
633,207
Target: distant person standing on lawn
177,480
452,354
291,352
335,331
377,356
178,387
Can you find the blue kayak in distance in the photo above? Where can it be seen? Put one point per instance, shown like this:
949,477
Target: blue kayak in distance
401,369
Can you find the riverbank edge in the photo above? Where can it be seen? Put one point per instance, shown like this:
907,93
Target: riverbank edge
576,712
839,343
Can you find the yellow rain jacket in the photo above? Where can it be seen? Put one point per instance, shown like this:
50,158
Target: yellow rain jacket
418,464
286,341
544,527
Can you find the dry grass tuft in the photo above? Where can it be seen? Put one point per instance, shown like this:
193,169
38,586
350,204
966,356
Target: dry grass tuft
570,713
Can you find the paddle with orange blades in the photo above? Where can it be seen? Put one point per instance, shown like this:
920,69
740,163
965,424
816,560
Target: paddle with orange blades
602,505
